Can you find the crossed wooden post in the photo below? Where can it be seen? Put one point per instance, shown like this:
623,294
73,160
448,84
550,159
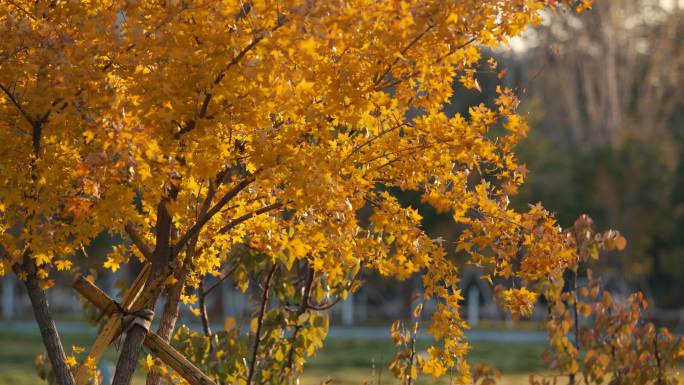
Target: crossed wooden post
134,299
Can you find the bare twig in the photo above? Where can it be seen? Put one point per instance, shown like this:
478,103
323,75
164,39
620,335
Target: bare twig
203,312
204,293
303,307
260,321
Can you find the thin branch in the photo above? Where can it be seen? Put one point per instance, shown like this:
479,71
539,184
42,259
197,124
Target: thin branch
7,56
248,216
218,283
378,136
221,74
302,309
336,301
195,229
260,322
161,255
415,73
147,34
138,241
14,101
247,201
403,150
571,376
203,313
29,14
233,223
491,216
326,306
661,377
412,358
402,52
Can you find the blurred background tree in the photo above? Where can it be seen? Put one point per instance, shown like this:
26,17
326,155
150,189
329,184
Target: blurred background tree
604,97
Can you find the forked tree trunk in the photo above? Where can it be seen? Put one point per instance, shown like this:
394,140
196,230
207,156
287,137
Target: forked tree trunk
167,323
48,329
128,358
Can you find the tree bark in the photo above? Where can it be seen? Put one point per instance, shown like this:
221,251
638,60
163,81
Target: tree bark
206,327
171,310
48,329
260,322
37,295
167,323
128,358
172,306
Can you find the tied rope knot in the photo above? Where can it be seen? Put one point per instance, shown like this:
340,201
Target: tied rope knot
142,318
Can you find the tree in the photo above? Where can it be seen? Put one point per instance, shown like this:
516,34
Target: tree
250,137
614,130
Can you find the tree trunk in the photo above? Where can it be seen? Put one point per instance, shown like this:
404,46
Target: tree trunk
171,307
167,323
128,358
48,329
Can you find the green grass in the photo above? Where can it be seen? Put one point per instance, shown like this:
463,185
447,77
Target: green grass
509,357
346,362
18,355
349,362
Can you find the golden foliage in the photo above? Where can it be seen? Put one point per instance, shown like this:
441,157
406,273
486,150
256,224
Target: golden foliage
271,123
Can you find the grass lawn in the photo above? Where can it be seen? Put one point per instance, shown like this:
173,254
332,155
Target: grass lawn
345,362
348,362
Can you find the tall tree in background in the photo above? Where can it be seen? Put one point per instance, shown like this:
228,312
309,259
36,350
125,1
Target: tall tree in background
615,128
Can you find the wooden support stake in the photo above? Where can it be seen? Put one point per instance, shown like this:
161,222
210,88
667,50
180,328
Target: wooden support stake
112,328
157,346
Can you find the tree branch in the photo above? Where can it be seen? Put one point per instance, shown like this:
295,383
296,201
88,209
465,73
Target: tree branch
302,309
203,312
46,324
260,322
381,87
221,74
37,295
138,241
223,277
23,10
248,216
195,229
402,52
15,102
161,256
